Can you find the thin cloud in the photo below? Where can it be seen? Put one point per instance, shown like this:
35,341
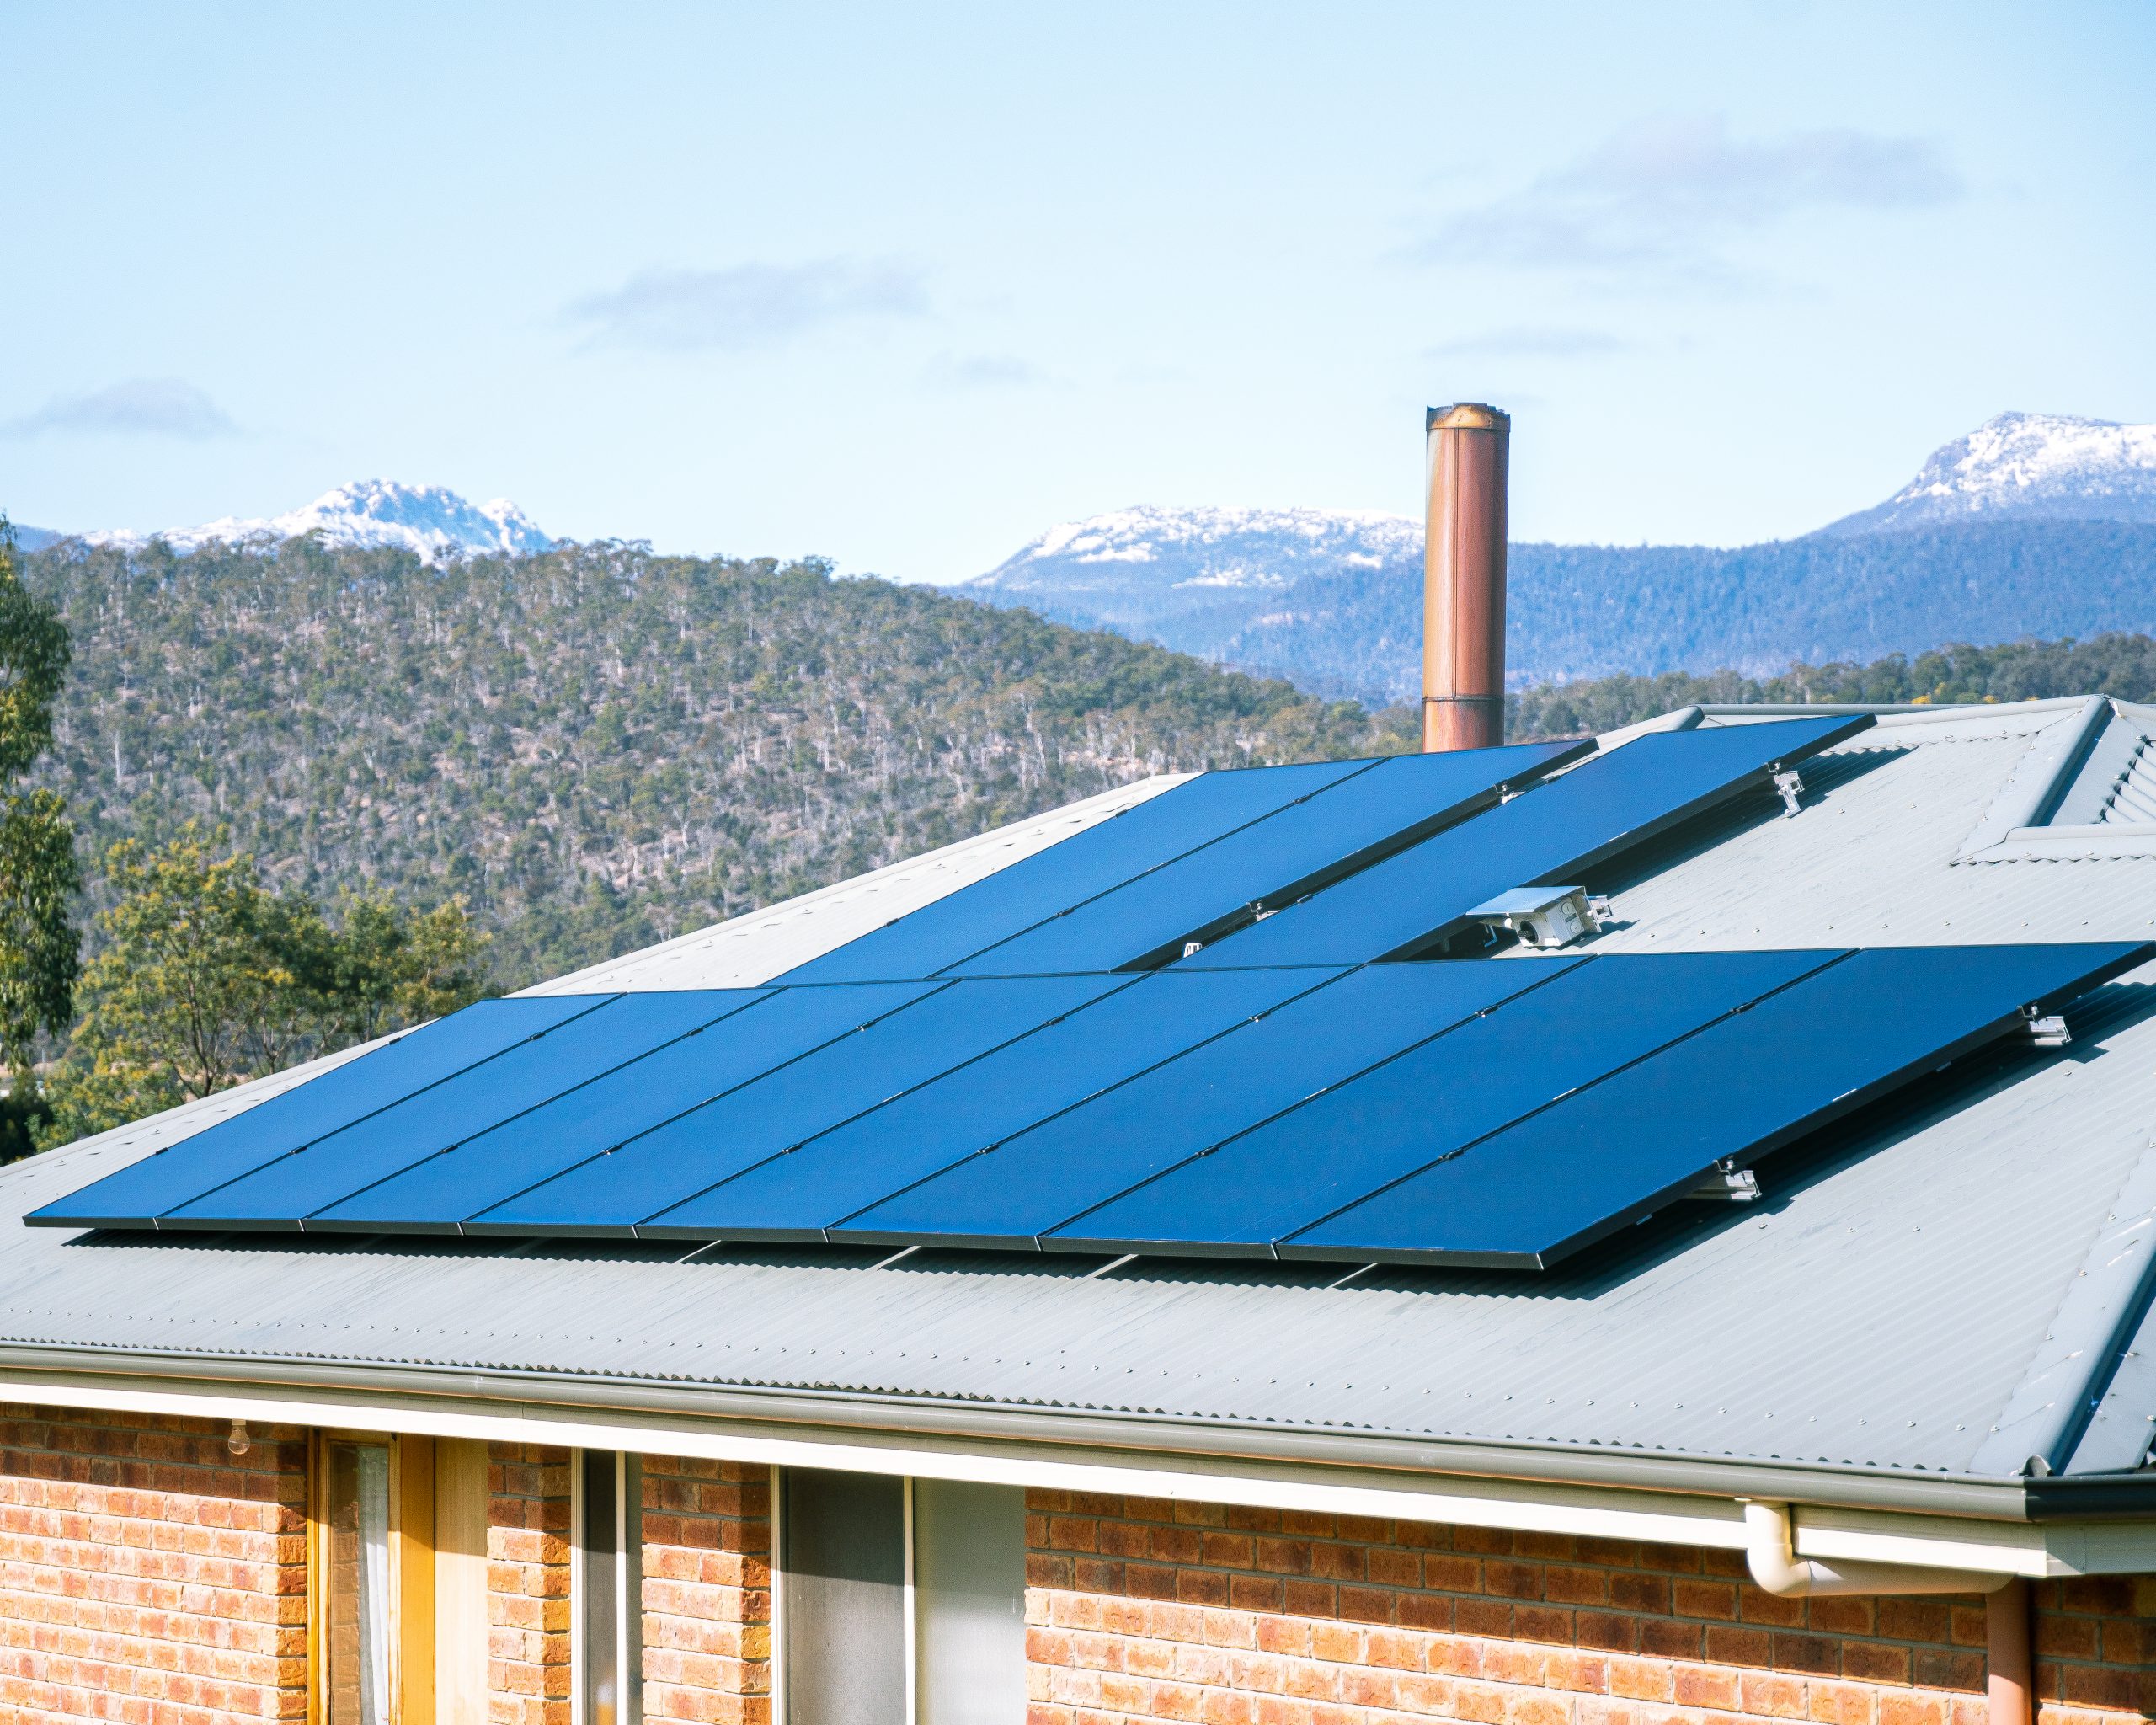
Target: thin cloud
139,407
1528,342
967,371
1667,191
749,305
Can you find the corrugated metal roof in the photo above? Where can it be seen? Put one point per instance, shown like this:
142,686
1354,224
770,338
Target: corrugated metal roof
2132,800
1885,1305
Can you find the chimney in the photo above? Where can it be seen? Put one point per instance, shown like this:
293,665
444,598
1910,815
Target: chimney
1464,579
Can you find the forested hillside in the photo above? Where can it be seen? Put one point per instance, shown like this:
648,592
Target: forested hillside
2116,664
598,747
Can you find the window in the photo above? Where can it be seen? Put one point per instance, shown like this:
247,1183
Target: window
890,1587
609,1513
356,1618
397,1580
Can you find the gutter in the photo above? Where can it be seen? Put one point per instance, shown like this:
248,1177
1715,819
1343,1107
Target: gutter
1770,1554
1215,1446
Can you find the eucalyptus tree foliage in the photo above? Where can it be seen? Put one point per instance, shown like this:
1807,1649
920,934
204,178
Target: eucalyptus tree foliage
207,974
39,878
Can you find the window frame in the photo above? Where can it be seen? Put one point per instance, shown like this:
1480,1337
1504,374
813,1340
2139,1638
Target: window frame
409,1658
628,1578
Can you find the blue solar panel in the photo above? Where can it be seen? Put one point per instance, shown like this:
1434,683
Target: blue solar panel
134,1196
960,1021
1583,1025
1408,903
1270,863
1747,1084
434,1195
340,1161
797,1194
1068,872
1042,1177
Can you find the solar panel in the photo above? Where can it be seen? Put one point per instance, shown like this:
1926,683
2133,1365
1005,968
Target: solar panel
1583,1024
610,1193
1270,863
1158,830
1407,905
134,1196
434,1195
1748,1083
339,1161
1041,1178
797,1194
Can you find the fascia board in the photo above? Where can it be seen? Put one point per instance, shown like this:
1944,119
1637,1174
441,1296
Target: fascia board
92,1378
1602,1513
1700,1519
1947,1542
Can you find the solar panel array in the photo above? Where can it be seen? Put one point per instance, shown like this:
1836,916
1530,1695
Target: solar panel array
1055,1073
1203,857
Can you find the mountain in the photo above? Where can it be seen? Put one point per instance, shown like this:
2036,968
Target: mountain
2031,525
34,538
597,746
2026,467
1586,611
430,521
1135,566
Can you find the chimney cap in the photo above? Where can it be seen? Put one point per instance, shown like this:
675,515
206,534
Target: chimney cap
1466,416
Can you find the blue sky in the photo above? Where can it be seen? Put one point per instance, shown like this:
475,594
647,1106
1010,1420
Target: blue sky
904,286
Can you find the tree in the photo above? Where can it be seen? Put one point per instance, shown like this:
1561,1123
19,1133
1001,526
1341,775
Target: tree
386,964
39,957
206,977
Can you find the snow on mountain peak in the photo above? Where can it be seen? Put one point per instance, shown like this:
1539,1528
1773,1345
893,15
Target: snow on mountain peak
430,521
2021,465
1154,548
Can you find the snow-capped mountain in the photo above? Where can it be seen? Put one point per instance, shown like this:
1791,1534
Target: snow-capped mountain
1133,565
2051,530
431,522
2026,467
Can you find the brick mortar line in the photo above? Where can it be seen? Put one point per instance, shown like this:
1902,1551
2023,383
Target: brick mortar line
1411,1590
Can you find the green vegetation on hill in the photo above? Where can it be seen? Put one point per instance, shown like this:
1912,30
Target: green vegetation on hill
205,977
2117,664
599,747
1600,609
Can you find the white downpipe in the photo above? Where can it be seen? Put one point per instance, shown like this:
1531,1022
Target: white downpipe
1770,1550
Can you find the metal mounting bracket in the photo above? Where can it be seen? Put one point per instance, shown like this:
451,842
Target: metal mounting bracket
1728,1185
2048,1029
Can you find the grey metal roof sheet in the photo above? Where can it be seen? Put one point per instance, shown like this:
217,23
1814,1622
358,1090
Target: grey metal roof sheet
1957,1262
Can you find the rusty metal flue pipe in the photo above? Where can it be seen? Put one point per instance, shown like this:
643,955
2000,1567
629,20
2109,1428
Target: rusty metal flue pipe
1464,578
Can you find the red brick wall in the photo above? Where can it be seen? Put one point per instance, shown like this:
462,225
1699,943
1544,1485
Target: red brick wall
707,1592
148,1574
1145,1610
528,1674
2096,1649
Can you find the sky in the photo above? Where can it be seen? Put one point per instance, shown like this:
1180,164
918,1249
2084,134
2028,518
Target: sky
904,285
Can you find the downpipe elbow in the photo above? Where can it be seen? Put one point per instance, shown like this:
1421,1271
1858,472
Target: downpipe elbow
1770,1554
